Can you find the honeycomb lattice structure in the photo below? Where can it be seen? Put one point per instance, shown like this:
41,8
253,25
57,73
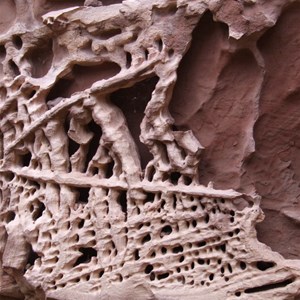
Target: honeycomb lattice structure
83,213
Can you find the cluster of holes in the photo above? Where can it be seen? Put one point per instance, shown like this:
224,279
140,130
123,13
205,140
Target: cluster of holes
90,165
202,209
210,274
185,265
174,178
210,245
206,251
83,277
149,270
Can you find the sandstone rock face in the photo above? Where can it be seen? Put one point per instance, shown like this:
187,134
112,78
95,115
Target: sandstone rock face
139,141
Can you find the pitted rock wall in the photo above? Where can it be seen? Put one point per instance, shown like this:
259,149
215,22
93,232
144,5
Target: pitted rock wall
139,142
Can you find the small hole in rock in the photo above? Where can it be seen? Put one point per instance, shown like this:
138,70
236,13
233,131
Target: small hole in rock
174,201
128,60
109,169
264,265
177,249
122,201
174,176
72,147
223,248
270,286
82,194
201,244
159,44
150,198
162,276
243,265
31,94
148,269
187,180
166,230
101,272
146,52
136,254
10,216
17,41
94,143
110,33
14,68
81,223
32,257
206,218
146,238
2,52
38,211
86,256
150,173
9,176
170,52
25,159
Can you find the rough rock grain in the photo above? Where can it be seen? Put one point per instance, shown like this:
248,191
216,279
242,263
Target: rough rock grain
140,143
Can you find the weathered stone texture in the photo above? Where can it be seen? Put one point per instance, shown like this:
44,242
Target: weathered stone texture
139,141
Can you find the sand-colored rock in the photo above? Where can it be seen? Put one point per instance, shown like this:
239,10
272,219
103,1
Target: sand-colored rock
136,139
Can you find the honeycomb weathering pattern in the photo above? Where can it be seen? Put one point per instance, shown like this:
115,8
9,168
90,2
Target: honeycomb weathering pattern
82,216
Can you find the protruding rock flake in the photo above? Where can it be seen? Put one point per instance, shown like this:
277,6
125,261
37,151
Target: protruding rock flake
104,193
